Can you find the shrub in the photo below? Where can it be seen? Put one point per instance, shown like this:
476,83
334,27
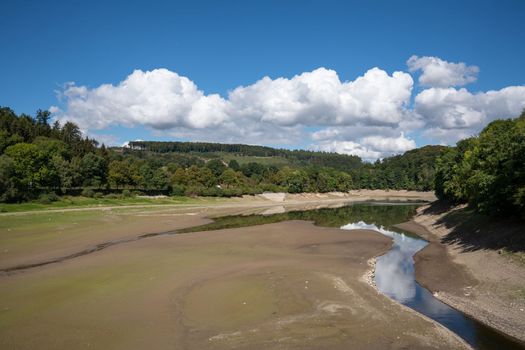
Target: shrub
112,196
126,193
194,191
212,192
232,192
178,190
47,198
88,192
98,195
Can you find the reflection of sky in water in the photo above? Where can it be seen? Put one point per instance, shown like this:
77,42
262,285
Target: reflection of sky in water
394,275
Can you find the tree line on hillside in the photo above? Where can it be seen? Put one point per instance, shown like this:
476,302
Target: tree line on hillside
413,170
38,159
487,171
343,162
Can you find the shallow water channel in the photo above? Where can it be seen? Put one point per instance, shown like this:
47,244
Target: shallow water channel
394,275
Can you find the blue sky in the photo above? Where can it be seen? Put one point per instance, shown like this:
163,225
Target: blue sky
223,45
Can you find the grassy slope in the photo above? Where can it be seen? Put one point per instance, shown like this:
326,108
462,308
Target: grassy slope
69,202
277,161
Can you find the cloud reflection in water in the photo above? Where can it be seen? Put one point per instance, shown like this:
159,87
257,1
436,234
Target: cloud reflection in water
394,275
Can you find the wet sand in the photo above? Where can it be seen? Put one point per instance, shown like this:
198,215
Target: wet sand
481,283
283,285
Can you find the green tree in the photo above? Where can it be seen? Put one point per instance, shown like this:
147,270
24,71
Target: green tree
160,180
119,174
216,166
9,190
179,177
343,182
30,165
6,140
297,181
487,171
94,169
233,164
230,178
42,123
52,147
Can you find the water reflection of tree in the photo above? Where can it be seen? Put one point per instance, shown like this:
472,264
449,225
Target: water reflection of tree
381,215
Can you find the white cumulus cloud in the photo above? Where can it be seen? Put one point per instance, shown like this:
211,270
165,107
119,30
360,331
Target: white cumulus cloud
436,72
369,148
371,116
320,98
272,111
160,99
451,114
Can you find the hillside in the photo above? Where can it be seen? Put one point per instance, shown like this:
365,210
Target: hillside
260,154
43,161
413,170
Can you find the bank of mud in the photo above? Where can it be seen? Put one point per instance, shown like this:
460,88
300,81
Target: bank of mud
283,285
482,283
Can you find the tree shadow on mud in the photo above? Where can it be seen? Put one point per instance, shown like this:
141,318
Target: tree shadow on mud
473,231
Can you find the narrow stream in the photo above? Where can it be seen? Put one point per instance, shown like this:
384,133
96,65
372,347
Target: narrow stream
395,277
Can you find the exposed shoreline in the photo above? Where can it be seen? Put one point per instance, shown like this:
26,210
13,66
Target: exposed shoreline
265,289
263,200
183,215
483,284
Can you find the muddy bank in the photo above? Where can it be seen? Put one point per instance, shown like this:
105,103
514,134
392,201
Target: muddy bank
482,283
400,195
34,238
265,199
284,285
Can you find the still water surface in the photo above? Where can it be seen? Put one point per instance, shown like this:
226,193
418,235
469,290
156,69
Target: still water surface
395,277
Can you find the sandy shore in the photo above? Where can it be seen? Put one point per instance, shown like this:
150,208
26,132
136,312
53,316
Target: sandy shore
287,285
481,283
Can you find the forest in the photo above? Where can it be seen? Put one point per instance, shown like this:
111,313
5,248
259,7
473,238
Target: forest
486,171
337,161
42,161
